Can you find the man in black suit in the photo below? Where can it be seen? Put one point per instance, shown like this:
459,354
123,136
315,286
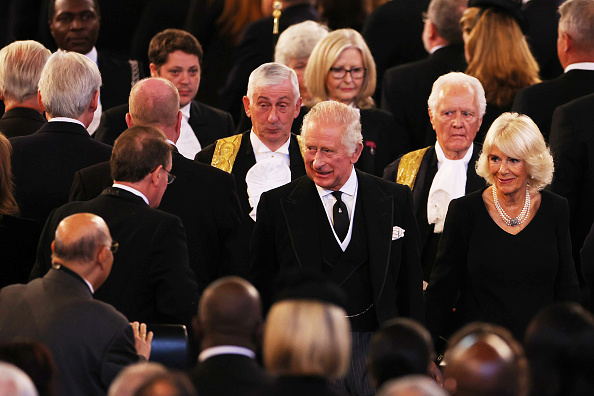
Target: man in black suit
445,170
203,197
89,340
43,163
354,228
151,280
269,153
575,48
177,56
74,25
257,47
385,30
21,64
229,328
407,87
572,144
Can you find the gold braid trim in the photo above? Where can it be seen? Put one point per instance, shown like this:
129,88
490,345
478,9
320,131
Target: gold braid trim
409,167
225,153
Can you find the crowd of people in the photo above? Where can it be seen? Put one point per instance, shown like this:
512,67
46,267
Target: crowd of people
325,207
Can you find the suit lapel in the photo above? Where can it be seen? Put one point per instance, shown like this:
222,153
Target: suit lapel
299,210
378,208
295,159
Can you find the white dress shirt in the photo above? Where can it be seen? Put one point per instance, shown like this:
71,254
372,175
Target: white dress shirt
187,144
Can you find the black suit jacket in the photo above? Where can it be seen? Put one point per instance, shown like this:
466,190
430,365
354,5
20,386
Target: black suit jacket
43,165
572,143
255,48
21,121
421,188
407,87
384,32
205,200
151,280
208,123
540,100
89,340
285,238
117,77
229,375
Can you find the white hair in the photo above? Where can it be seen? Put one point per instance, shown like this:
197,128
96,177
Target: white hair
298,41
21,64
457,79
67,84
272,74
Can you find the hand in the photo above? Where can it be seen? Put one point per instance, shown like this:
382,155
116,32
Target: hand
142,340
435,373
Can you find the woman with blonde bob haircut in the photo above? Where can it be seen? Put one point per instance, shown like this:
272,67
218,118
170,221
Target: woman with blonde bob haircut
307,343
505,250
519,137
498,56
341,68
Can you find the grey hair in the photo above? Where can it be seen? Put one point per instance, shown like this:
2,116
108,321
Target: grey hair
422,385
445,16
133,377
272,74
21,64
518,136
336,114
577,20
67,84
458,79
15,382
298,41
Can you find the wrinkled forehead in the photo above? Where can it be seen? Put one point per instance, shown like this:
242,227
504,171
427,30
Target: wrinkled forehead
74,6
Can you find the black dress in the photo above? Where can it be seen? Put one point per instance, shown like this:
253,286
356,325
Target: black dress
500,278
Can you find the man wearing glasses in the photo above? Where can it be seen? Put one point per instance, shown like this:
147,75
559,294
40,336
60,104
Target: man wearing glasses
151,280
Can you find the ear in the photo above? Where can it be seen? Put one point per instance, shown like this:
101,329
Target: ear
431,118
298,107
154,70
129,120
94,103
102,257
156,175
39,102
431,31
53,245
357,153
568,42
246,106
178,124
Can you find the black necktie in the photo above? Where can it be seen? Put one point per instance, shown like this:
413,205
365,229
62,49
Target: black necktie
341,216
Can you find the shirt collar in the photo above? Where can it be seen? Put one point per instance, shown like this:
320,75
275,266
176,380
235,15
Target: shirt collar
441,156
349,188
580,66
225,350
260,147
67,119
133,191
186,110
432,50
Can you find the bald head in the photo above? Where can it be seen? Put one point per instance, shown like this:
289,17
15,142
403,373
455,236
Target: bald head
230,312
83,244
154,102
485,359
79,236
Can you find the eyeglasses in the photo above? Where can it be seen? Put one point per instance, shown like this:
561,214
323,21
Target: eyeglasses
170,176
340,72
114,246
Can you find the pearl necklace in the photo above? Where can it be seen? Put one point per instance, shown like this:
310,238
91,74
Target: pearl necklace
516,221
